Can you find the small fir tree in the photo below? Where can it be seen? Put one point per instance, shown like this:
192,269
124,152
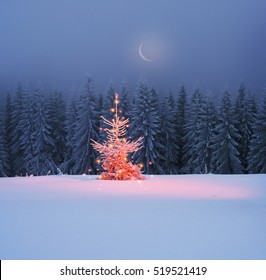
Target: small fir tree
114,151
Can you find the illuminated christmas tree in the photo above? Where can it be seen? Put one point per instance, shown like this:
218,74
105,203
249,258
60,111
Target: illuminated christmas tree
114,151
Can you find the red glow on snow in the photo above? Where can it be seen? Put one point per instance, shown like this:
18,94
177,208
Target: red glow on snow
177,188
204,187
194,187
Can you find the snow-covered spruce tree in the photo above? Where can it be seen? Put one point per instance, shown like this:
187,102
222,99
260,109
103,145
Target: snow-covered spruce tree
27,127
145,122
180,120
191,133
107,104
244,121
114,151
204,138
253,114
99,106
16,154
43,143
84,156
71,123
8,130
125,103
168,135
225,148
99,124
4,167
252,108
257,153
56,116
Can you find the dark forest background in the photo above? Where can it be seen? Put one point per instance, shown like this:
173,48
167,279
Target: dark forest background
184,133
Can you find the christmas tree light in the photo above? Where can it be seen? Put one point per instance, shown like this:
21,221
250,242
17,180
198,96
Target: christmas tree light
114,151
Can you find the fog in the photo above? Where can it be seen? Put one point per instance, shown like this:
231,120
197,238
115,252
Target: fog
207,43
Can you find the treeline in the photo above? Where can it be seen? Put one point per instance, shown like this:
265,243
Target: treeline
44,134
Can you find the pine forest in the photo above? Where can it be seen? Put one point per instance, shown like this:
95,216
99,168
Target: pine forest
181,132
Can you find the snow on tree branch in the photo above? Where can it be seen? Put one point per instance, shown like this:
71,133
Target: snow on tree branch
114,151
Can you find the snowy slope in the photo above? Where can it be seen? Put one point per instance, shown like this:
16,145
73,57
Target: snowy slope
161,217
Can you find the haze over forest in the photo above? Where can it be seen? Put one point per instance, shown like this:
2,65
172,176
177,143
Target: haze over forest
210,44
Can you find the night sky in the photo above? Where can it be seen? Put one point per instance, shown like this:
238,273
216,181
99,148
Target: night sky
208,43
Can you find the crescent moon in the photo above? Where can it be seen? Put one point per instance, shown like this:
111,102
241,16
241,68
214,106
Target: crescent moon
141,54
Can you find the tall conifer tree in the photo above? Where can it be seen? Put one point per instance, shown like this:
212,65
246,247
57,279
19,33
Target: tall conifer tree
86,129
225,148
145,122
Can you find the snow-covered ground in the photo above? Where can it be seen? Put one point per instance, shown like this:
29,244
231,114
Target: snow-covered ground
161,217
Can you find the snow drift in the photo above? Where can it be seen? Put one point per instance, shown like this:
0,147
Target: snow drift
161,217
